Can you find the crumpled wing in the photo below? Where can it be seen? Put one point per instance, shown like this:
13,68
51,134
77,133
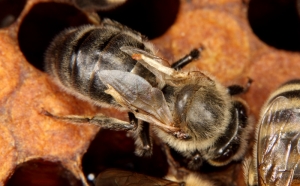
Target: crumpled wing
135,93
278,150
164,74
153,63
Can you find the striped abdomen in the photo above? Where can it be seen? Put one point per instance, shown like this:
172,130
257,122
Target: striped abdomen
77,55
278,155
290,91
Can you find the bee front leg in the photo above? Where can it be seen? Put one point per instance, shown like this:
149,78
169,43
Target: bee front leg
142,136
237,89
193,55
99,120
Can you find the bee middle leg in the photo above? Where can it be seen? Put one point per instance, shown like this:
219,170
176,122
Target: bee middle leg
140,128
142,136
99,120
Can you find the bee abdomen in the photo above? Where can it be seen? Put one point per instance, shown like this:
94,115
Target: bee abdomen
290,89
276,152
77,55
285,110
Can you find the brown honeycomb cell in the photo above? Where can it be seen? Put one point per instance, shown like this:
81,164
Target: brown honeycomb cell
39,150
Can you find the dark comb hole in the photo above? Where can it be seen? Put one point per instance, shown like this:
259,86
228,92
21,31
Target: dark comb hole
43,22
10,11
39,172
112,149
276,22
150,17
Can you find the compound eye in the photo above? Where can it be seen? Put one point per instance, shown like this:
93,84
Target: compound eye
183,101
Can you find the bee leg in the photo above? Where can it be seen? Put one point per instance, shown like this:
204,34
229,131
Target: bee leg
175,168
143,141
99,120
194,54
132,119
237,89
142,137
195,161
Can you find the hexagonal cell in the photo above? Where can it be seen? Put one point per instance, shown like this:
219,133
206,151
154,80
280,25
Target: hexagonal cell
41,24
112,149
10,11
39,172
150,17
98,5
277,23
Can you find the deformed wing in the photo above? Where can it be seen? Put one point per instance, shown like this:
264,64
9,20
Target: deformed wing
135,93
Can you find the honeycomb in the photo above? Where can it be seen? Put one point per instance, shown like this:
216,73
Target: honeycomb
39,150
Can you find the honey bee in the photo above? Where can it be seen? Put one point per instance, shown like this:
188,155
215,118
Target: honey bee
112,65
276,154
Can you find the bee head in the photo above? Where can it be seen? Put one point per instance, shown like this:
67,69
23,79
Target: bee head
200,111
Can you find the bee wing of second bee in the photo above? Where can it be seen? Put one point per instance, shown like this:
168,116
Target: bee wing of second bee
278,143
115,177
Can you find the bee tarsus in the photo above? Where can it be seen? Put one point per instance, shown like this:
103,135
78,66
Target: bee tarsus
237,89
193,55
99,120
